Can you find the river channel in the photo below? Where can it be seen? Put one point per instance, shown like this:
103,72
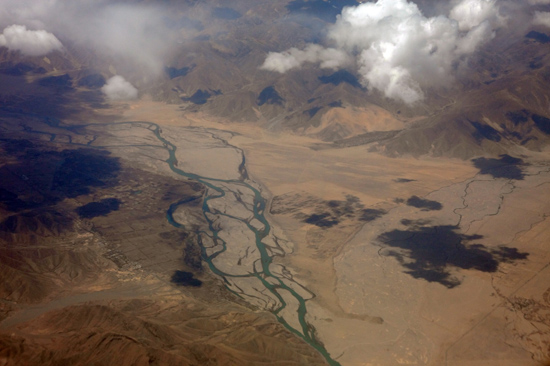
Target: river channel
252,276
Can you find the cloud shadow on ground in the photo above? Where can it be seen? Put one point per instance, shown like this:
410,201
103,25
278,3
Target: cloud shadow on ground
182,278
424,204
101,208
505,167
434,253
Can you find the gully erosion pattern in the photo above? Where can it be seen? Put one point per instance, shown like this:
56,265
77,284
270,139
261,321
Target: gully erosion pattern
239,245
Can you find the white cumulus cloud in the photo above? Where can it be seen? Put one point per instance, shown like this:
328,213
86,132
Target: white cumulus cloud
29,42
397,49
117,88
293,58
542,18
470,13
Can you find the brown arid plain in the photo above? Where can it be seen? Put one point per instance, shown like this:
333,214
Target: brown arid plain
469,290
419,261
